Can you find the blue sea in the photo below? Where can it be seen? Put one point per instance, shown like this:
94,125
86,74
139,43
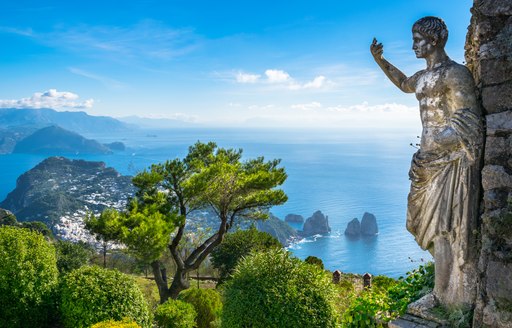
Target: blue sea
341,173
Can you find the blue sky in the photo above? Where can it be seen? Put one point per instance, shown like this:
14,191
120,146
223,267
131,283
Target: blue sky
219,63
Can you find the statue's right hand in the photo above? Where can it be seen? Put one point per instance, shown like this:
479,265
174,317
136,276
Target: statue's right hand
377,49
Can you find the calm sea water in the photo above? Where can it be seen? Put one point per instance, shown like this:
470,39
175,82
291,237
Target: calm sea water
341,173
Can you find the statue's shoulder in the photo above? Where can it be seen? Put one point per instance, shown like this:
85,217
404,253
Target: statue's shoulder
459,75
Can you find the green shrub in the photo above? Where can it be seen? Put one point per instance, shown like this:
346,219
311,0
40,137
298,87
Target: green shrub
28,278
92,294
315,261
274,289
240,244
206,302
71,256
125,323
388,298
175,314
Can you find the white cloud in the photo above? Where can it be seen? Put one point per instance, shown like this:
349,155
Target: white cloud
277,76
48,99
281,79
247,78
366,108
307,107
317,83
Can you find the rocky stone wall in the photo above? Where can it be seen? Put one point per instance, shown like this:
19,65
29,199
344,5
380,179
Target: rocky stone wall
489,57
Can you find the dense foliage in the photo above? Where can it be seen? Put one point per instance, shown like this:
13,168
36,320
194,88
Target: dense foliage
208,178
206,302
175,314
315,261
273,289
388,299
93,294
71,256
28,278
125,323
239,244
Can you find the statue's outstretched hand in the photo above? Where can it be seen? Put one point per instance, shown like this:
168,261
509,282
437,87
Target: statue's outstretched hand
377,49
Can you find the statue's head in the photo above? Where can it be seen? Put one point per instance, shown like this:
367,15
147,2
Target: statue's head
433,29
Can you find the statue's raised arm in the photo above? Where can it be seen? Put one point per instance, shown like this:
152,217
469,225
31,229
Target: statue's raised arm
394,74
442,205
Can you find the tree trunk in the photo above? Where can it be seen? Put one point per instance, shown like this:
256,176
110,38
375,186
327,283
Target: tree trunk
179,283
104,255
161,283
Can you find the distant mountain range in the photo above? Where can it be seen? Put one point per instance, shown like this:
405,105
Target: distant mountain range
79,122
55,140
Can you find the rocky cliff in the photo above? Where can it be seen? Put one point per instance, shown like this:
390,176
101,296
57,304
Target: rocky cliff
58,187
316,224
278,229
489,57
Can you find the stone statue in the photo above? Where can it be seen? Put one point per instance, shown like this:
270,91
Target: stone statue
445,171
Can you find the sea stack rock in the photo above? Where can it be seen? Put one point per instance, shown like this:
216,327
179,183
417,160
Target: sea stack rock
316,224
294,218
369,225
353,228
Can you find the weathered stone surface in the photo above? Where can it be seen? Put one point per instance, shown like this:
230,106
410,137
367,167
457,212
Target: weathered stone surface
369,225
499,280
495,176
410,321
497,44
499,123
494,7
495,199
497,98
494,71
316,224
353,228
492,317
498,150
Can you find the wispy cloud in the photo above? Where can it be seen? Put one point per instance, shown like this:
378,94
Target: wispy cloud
281,80
48,99
147,39
307,107
106,81
247,78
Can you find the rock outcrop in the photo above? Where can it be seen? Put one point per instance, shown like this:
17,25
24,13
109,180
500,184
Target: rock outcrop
489,57
369,225
57,187
316,224
294,218
353,228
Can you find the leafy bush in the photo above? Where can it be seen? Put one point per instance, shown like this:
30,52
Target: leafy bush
388,298
239,244
125,323
175,314
206,302
93,294
71,256
315,261
28,278
273,289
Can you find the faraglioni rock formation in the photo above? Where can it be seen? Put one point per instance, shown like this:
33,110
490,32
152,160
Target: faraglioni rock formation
443,200
353,228
369,225
317,224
